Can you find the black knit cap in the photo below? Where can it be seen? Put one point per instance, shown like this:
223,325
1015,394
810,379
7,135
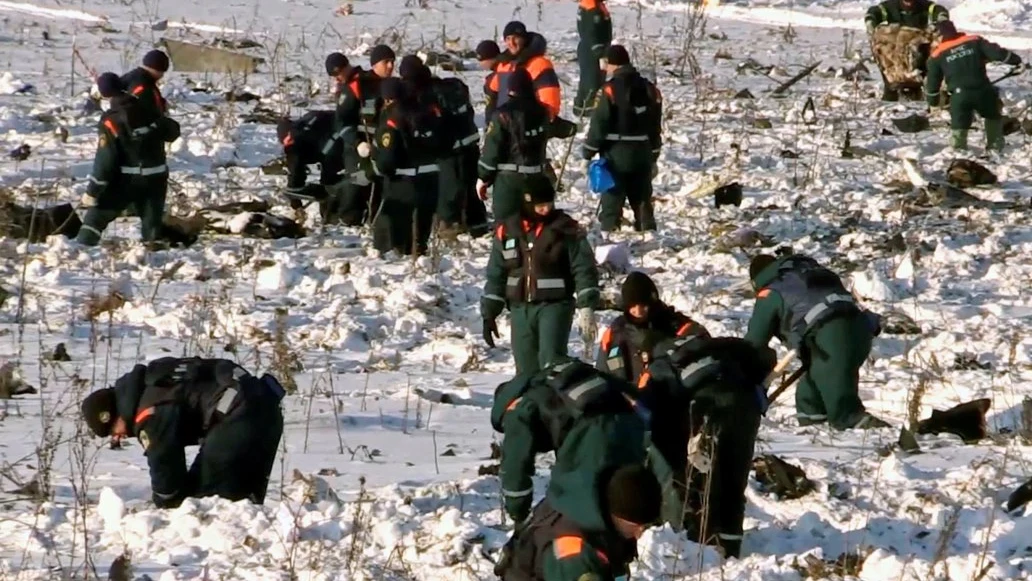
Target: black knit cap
638,289
520,82
409,67
335,63
392,88
514,28
109,85
381,52
156,60
99,411
947,30
759,263
634,494
538,190
616,55
487,50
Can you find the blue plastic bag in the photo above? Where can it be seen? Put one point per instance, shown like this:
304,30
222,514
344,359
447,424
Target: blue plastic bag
600,180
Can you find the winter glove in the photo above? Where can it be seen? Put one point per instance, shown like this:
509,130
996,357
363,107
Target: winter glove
482,190
586,324
490,332
363,149
87,201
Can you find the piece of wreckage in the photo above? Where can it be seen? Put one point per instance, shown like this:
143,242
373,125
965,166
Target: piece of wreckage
35,224
966,421
901,53
188,57
248,219
930,194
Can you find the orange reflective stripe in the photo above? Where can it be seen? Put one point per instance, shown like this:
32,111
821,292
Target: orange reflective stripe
392,124
111,126
763,293
948,44
588,4
643,380
144,414
512,404
684,328
552,99
353,85
288,140
138,89
608,90
568,546
607,338
500,232
602,556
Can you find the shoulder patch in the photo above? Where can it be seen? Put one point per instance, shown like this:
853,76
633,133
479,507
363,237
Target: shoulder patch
385,141
144,440
102,140
763,293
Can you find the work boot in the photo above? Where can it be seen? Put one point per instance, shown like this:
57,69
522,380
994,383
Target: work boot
958,138
869,422
994,134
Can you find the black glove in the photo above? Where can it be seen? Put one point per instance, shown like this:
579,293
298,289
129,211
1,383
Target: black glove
490,332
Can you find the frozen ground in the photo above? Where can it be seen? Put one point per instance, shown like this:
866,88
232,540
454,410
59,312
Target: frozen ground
376,342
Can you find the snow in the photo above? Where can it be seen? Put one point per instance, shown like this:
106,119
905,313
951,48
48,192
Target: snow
379,477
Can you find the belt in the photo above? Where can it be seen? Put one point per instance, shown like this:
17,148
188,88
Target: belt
529,169
145,171
411,171
467,140
617,137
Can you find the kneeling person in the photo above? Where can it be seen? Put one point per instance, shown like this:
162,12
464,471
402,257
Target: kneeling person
172,403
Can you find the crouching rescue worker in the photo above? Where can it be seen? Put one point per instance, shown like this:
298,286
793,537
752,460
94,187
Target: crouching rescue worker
408,145
626,132
593,423
807,307
306,141
542,268
645,321
171,403
129,168
960,60
515,147
706,396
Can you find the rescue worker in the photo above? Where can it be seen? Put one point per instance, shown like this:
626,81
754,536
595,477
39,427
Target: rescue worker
515,147
919,14
588,534
355,123
458,206
542,268
408,145
808,308
645,320
595,29
171,403
129,167
304,142
625,131
142,83
487,57
706,396
527,51
960,60
589,419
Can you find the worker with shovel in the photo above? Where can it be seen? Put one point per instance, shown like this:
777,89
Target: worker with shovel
806,306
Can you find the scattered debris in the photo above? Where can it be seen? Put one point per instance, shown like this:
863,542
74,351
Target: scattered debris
965,173
97,305
60,353
784,480
20,153
35,224
744,94
728,195
914,123
189,57
1020,497
783,87
966,420
813,567
11,383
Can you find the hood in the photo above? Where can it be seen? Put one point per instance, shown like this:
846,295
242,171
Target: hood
504,395
536,46
767,275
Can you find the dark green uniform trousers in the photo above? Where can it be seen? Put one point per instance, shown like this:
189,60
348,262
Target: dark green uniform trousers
348,202
407,213
591,79
507,194
636,189
830,387
540,333
963,106
146,194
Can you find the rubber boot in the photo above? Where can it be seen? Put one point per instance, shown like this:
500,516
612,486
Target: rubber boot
994,135
958,138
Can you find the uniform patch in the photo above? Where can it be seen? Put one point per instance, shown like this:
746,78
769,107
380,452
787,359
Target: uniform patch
527,197
144,440
105,417
589,577
614,352
385,141
101,141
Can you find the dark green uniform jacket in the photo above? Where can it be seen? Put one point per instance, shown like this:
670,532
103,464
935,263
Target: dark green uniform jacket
626,124
588,418
514,149
172,403
303,143
923,15
626,345
961,63
695,384
140,84
490,94
543,261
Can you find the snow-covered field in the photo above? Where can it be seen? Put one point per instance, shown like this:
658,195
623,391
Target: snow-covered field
379,473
